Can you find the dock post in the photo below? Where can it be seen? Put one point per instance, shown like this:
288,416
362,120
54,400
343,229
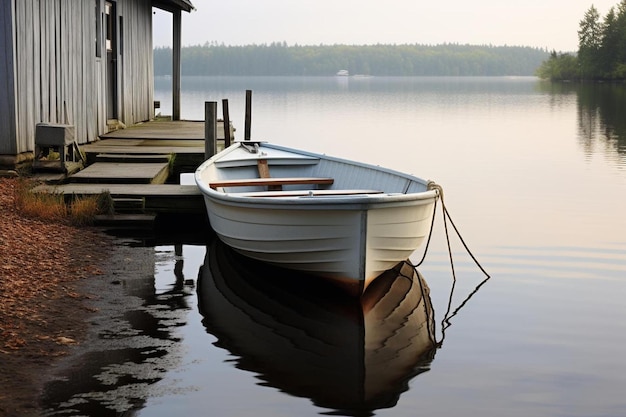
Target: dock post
226,115
248,115
210,128
176,59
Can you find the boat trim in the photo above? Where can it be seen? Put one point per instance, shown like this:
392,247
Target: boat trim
308,193
270,182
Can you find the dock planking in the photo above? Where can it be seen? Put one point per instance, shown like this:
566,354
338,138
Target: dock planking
123,173
170,130
189,154
144,147
125,158
132,165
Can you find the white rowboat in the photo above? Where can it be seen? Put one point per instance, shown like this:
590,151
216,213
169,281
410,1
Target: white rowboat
331,217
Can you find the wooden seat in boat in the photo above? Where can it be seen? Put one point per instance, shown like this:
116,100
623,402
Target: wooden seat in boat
273,184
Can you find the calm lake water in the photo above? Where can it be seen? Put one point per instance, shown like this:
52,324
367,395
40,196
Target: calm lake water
534,177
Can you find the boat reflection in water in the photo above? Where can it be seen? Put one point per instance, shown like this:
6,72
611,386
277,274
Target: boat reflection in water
305,337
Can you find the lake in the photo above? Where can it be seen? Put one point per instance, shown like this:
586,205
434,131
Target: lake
534,178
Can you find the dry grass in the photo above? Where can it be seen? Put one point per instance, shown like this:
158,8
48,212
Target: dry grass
39,205
81,211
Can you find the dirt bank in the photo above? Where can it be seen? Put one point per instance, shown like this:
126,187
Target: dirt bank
42,310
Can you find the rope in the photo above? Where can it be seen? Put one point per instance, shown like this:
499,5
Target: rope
431,185
445,323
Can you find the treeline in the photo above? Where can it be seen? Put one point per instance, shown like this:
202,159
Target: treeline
380,60
601,49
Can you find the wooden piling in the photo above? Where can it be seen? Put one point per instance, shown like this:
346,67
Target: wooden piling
226,115
176,62
210,128
248,121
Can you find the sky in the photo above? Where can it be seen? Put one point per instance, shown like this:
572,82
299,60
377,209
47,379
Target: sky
551,24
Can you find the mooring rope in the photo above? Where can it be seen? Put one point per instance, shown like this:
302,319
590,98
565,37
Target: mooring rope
445,323
431,185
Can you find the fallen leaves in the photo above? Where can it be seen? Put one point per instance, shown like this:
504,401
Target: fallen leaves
42,312
39,261
61,340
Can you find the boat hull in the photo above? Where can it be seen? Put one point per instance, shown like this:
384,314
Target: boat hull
350,239
342,245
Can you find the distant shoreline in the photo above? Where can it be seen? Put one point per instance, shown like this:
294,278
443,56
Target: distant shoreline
279,59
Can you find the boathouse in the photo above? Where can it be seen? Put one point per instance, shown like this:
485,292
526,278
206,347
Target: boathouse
81,63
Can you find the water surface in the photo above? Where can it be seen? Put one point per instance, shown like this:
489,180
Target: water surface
534,177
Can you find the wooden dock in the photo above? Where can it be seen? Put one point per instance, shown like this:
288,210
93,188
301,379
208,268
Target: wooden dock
123,173
183,139
140,167
154,198
166,130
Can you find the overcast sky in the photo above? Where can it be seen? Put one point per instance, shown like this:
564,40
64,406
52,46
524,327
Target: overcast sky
551,24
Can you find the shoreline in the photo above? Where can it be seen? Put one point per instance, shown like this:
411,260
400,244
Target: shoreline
44,300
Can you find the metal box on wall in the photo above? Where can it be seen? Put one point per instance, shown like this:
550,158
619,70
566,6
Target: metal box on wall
47,137
51,134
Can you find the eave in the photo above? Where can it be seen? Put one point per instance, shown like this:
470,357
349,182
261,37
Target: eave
173,5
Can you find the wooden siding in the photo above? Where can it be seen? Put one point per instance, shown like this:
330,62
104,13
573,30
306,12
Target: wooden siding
59,79
7,81
137,70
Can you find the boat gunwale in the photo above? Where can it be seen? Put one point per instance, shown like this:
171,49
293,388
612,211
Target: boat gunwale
328,201
367,200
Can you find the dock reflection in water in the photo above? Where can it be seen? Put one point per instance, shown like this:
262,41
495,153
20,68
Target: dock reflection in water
306,338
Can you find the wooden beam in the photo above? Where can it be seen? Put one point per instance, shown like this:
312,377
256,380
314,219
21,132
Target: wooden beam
264,169
264,172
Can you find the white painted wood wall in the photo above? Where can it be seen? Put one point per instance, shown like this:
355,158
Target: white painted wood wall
56,75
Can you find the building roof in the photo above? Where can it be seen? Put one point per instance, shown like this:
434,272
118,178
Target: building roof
171,5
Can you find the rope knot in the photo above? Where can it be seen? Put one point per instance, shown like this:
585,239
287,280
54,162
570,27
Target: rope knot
432,185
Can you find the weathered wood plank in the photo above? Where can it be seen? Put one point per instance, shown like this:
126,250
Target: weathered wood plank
181,129
98,148
128,172
105,157
134,221
122,190
264,169
264,172
159,198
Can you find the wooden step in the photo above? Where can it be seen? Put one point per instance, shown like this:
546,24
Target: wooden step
126,158
130,221
123,173
159,198
129,204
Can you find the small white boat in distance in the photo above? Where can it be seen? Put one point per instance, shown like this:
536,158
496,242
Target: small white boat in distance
331,217
342,73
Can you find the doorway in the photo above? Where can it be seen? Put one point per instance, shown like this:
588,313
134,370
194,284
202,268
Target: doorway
111,51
